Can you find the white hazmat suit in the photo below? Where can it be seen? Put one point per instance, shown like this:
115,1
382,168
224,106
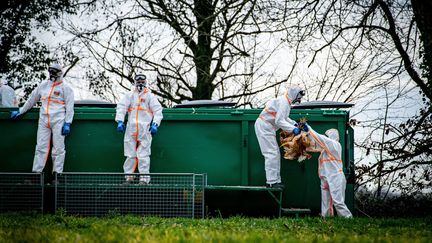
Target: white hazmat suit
142,108
57,108
272,118
7,95
330,172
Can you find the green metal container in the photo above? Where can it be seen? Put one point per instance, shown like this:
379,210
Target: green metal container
219,142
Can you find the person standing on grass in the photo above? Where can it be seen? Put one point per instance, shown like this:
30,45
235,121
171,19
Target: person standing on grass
330,172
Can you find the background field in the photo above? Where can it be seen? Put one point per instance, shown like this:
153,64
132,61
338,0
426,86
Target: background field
61,228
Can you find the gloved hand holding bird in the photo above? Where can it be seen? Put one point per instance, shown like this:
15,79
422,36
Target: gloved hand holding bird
297,145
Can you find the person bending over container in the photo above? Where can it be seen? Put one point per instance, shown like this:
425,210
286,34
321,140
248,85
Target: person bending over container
144,117
274,117
330,172
7,95
55,118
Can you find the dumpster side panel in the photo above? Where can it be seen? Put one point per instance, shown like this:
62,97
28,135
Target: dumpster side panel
17,145
18,140
350,170
206,146
94,146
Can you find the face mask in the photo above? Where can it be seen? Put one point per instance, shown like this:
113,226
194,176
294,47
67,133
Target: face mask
140,87
54,74
299,96
140,82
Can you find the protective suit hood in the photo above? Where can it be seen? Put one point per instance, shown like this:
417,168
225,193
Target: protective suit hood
295,94
332,134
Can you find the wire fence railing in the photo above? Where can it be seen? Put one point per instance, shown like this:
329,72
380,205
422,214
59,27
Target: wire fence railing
99,194
21,192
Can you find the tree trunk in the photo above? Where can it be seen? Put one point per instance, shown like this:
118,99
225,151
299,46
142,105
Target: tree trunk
204,13
423,18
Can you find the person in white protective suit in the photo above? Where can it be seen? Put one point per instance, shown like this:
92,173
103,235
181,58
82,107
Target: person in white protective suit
275,116
7,95
55,118
330,172
144,118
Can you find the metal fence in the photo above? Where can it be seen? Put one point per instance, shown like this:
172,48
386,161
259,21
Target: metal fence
21,192
98,194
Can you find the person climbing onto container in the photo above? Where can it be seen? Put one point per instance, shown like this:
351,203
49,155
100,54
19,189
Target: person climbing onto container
330,172
275,116
144,118
7,95
55,118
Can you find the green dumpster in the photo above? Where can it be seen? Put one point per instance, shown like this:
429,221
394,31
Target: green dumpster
218,142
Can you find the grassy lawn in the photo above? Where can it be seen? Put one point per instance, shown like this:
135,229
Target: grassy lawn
60,228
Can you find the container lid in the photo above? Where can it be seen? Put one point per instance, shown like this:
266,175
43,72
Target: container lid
321,104
94,103
205,103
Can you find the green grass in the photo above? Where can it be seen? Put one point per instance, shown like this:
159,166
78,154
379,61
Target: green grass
61,228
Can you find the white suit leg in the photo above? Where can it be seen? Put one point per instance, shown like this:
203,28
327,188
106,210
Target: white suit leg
58,151
143,154
266,136
337,190
43,143
129,167
131,161
326,200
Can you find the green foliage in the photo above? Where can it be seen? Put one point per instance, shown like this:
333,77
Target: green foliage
23,58
48,228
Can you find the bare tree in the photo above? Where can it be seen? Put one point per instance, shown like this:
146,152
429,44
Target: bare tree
366,47
198,49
